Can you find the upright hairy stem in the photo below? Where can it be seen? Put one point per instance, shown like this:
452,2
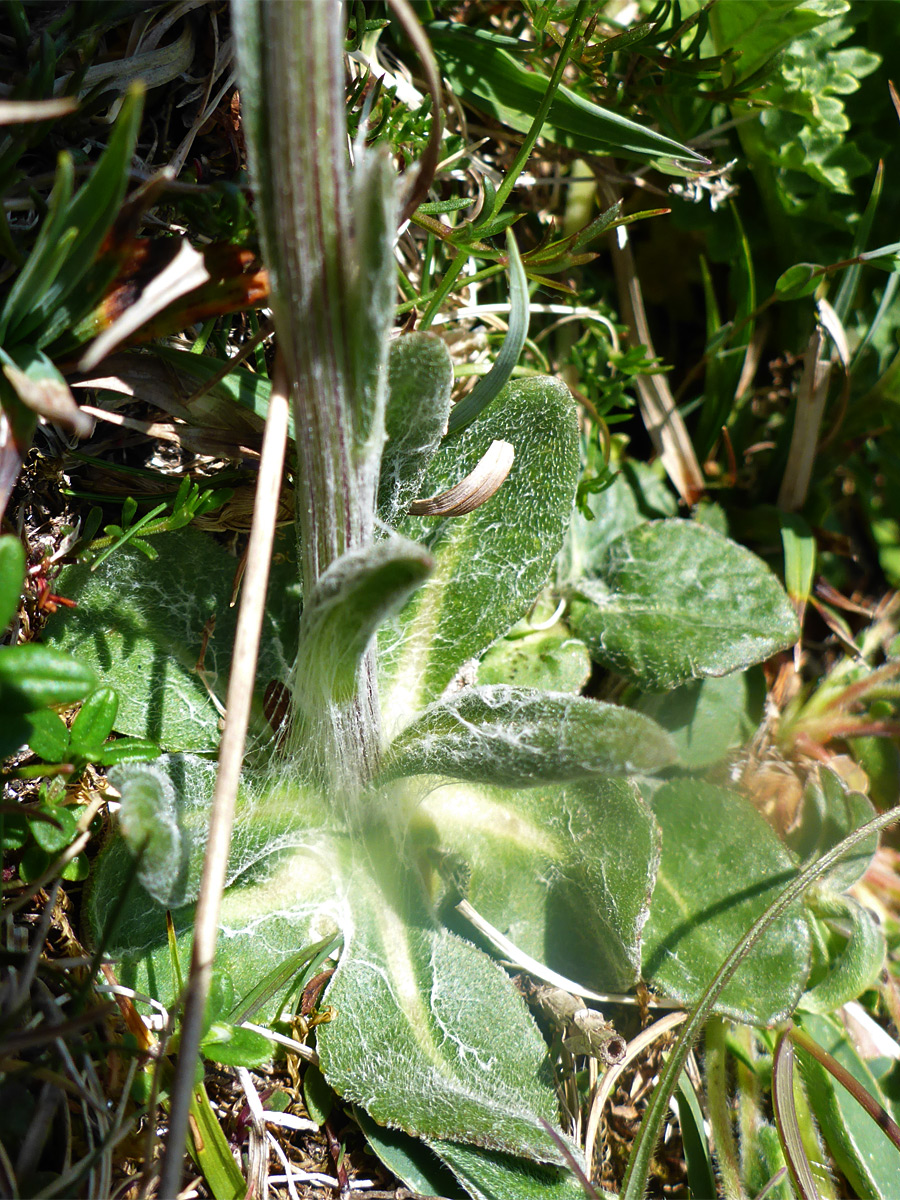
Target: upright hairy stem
326,241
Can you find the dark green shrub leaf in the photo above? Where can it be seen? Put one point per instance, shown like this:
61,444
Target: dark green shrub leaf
126,750
490,564
721,867
34,676
77,869
12,575
676,601
49,736
235,1047
520,737
95,722
317,1095
799,280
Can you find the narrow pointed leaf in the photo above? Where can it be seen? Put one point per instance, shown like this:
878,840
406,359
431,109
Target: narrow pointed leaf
12,577
489,77
519,737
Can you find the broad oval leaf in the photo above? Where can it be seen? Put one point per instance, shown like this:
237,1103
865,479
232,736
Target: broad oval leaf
564,873
675,600
516,736
708,717
721,867
490,564
144,633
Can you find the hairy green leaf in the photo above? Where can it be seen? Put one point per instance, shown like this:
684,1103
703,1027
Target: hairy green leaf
564,873
829,811
858,964
516,736
490,564
675,601
144,632
420,375
429,1035
708,717
861,1150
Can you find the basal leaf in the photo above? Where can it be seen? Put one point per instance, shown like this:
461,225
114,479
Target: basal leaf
144,631
708,717
283,878
518,737
722,865
674,601
420,375
565,873
490,564
429,1035
489,1175
410,1159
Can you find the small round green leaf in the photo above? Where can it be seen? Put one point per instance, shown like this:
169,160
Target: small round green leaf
54,834
236,1047
800,280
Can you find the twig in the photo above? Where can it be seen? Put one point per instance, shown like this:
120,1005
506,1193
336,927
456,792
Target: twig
238,700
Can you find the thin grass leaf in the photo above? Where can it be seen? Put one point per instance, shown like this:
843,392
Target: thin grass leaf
489,386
